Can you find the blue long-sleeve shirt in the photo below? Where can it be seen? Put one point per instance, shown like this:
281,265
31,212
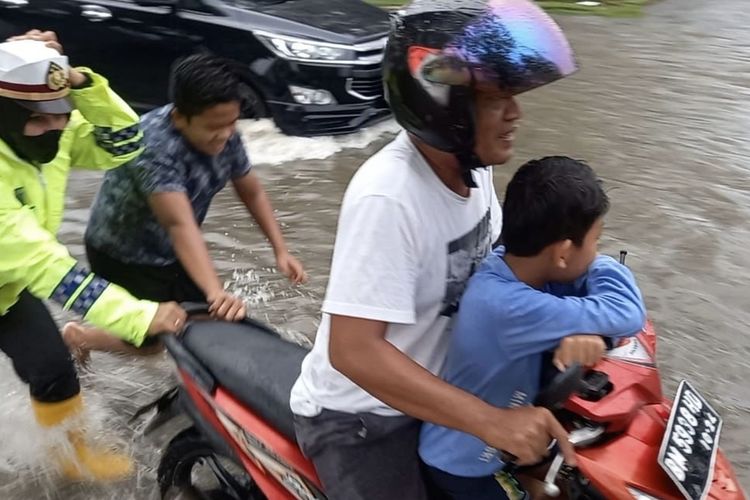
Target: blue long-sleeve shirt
502,330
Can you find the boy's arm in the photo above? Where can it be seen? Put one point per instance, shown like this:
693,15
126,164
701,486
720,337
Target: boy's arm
584,349
534,321
254,197
175,213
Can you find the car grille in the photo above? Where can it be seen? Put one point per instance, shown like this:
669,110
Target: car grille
343,122
366,88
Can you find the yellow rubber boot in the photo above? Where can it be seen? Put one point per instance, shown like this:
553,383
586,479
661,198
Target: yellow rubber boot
86,462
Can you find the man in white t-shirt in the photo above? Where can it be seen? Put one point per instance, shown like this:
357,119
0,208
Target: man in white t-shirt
416,220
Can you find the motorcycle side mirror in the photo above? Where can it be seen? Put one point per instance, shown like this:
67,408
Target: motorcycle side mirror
561,388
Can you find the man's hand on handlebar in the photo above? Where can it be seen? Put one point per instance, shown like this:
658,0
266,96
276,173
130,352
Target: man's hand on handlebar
526,433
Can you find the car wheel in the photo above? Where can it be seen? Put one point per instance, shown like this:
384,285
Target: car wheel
253,106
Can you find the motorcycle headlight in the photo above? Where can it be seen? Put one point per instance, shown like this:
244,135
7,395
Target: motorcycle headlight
639,495
299,49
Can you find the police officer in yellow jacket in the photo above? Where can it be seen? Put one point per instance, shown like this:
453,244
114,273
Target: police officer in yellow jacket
53,118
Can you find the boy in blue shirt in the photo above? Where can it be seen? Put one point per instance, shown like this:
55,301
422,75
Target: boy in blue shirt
545,289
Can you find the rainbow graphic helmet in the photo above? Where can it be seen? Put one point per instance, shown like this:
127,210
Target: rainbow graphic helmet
440,50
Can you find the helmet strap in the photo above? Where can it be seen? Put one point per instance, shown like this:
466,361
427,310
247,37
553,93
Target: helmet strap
467,157
468,177
468,161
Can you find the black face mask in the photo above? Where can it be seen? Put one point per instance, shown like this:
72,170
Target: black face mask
38,149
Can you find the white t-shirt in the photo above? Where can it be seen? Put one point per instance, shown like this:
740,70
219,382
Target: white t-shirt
405,247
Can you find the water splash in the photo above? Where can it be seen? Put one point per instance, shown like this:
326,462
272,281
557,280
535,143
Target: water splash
267,145
256,289
113,388
248,285
22,451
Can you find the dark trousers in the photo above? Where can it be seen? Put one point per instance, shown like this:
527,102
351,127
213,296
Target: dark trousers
30,338
157,283
363,456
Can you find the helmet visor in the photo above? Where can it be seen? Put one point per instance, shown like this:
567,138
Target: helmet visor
511,44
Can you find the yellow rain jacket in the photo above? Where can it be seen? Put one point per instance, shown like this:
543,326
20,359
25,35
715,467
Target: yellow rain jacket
103,133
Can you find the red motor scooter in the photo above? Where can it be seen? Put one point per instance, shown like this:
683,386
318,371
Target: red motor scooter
631,442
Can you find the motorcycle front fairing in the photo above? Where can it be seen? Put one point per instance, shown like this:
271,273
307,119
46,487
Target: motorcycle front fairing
635,415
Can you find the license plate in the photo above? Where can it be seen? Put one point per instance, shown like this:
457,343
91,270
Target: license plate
690,443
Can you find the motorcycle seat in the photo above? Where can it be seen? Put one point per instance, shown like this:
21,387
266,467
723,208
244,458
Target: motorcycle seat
253,363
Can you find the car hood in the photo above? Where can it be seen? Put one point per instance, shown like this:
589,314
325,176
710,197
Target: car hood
342,21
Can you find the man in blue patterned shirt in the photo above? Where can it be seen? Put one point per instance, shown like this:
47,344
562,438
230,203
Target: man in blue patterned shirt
144,231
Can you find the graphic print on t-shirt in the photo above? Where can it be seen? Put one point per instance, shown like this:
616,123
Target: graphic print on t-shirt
464,255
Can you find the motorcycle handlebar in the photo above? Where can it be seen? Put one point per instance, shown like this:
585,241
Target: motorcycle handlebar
561,388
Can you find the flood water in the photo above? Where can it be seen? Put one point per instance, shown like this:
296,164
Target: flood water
660,110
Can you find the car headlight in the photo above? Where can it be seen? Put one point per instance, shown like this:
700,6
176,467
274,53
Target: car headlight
299,49
304,95
639,495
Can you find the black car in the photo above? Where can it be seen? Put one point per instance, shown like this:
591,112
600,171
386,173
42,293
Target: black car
311,65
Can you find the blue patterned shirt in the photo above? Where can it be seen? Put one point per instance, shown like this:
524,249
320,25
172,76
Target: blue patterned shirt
122,224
